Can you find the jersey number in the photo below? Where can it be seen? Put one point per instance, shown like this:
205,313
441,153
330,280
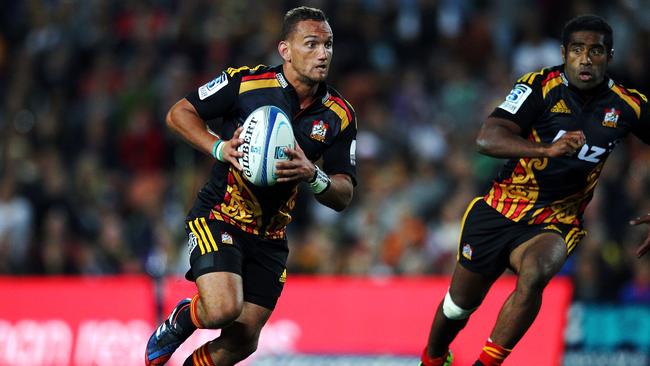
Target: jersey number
587,153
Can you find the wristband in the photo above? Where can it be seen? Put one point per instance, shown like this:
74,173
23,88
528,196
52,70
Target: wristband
320,182
217,149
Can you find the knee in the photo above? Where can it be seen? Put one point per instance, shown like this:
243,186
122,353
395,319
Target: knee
219,314
534,280
452,311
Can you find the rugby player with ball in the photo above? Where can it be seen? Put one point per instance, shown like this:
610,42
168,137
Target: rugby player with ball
276,123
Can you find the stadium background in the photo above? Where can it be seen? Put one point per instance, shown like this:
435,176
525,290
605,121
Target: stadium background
92,184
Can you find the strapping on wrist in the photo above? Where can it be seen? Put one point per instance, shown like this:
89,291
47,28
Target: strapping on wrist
217,150
320,182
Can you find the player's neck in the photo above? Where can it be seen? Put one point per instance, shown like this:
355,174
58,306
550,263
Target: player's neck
305,90
305,94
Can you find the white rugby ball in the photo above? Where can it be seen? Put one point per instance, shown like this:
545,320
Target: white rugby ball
267,132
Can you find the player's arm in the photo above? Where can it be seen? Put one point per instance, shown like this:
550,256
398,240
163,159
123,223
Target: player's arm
339,193
333,191
641,129
333,185
184,120
645,246
502,138
504,133
189,115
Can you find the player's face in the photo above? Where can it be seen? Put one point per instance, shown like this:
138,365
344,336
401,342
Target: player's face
310,48
585,59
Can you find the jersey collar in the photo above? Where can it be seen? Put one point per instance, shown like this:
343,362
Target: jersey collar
322,92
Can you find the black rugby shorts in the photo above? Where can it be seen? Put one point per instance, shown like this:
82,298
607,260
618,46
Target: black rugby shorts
487,238
215,246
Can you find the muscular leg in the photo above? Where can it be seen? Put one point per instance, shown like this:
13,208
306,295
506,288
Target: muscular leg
221,299
536,262
467,289
239,339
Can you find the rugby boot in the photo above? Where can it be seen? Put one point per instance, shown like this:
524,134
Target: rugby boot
167,337
447,362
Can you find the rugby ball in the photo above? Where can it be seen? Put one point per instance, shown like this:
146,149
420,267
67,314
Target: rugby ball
266,133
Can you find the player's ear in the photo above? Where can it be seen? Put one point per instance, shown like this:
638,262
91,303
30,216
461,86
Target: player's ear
284,51
562,51
610,55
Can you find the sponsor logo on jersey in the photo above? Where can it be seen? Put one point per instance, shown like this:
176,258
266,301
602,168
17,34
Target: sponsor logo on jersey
611,117
319,130
213,86
226,238
467,251
281,80
516,98
560,107
191,243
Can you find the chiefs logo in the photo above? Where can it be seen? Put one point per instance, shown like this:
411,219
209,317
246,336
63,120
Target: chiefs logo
611,117
319,130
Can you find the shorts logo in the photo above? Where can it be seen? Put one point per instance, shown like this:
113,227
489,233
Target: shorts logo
319,130
467,251
611,117
283,278
191,243
226,238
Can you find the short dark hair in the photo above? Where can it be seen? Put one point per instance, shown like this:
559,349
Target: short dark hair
588,22
295,15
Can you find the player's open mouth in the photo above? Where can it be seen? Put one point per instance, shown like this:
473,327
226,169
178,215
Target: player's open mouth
585,76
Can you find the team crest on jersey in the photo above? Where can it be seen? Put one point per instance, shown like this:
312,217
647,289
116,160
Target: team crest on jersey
191,243
226,238
467,251
319,130
611,117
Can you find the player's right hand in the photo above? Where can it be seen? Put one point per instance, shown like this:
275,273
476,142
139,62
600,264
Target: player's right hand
230,153
568,144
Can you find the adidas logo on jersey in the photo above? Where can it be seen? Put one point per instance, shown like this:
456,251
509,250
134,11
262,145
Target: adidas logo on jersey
560,107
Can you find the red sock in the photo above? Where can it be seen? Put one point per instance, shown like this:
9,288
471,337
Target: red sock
493,354
436,361
200,357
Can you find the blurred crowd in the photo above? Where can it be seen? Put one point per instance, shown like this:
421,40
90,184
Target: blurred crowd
92,182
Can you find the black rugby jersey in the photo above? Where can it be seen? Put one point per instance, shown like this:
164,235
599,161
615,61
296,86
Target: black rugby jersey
326,129
557,190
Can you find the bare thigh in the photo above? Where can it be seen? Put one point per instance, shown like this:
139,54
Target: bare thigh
222,298
468,289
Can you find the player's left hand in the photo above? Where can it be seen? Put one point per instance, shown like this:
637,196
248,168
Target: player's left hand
641,250
298,167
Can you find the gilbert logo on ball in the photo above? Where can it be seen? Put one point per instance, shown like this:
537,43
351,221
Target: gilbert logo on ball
266,133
